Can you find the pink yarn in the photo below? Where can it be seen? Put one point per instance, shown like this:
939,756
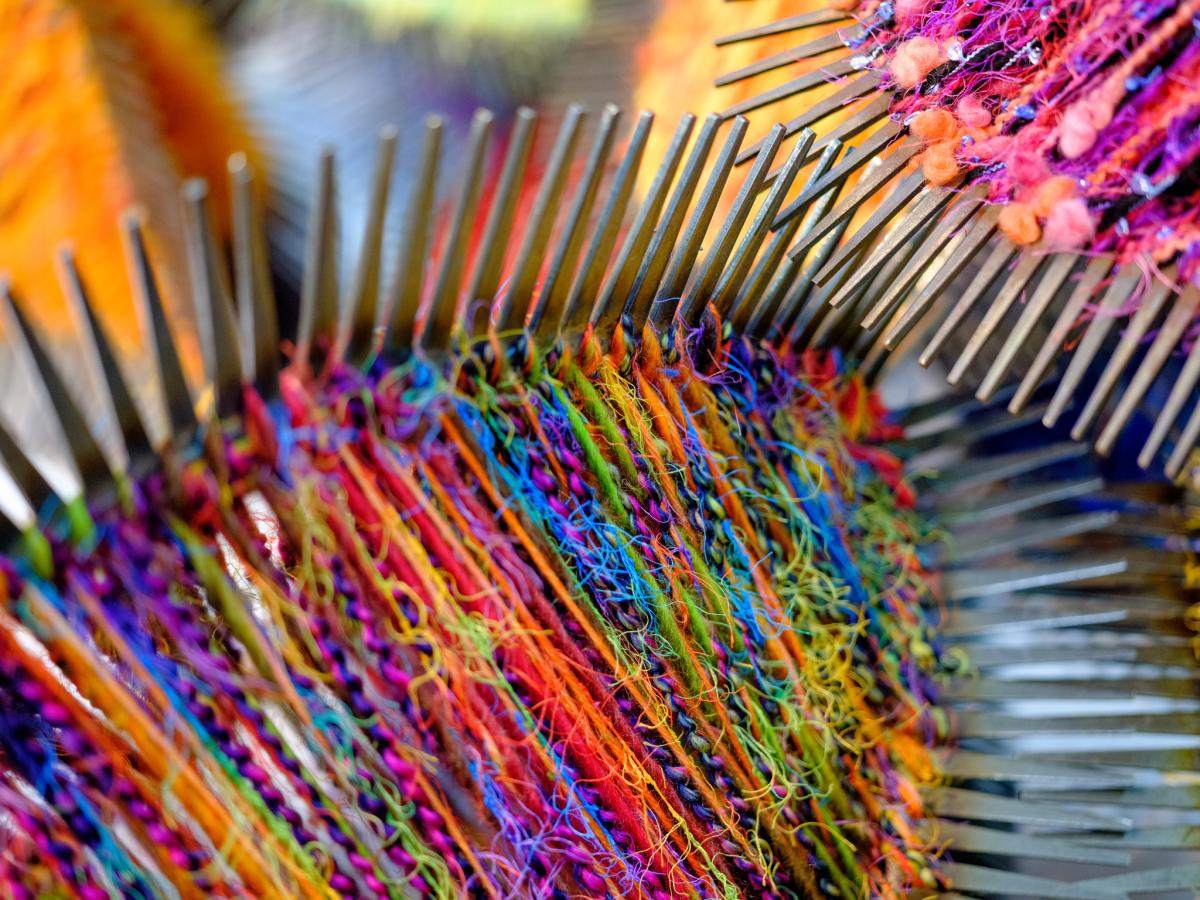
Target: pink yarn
1027,167
907,10
913,60
972,113
1069,225
1081,125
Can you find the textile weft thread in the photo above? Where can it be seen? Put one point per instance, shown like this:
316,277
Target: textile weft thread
581,626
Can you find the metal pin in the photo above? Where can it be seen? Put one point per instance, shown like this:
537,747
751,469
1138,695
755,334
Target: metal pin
362,307
25,475
257,316
181,414
128,418
604,236
512,306
553,294
443,310
997,881
614,296
973,839
1014,284
1147,311
1117,295
215,318
832,71
705,280
984,279
854,89
1185,382
791,23
958,803
819,46
319,283
416,236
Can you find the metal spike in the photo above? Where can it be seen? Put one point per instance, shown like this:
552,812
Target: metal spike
991,542
319,283
128,418
1145,881
702,289
1052,281
362,307
959,803
854,125
853,89
1181,316
973,839
548,312
1013,286
1018,500
977,472
1180,759
257,316
213,305
990,690
774,274
1187,440
818,46
1115,297
85,452
25,475
808,311
415,239
966,765
669,295
997,881
1174,796
1169,837
438,327
1095,271
958,256
922,212
854,247
969,724
962,434
604,236
612,300
862,155
975,583
651,265
512,306
791,23
1147,311
988,274
986,657
489,265
181,414
830,72
733,279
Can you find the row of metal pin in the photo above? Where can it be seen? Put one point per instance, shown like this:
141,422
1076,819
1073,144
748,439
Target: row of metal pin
1017,298
569,267
1073,737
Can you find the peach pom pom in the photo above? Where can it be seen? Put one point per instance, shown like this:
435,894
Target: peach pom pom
1019,223
933,125
939,165
1069,225
1050,192
1081,125
1027,167
914,60
972,113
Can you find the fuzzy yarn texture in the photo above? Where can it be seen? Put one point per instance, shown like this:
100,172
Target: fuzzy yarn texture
563,627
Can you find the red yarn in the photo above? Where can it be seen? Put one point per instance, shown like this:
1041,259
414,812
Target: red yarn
913,60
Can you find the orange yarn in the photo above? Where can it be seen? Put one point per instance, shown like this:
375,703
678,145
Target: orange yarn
939,164
934,125
1050,192
1018,222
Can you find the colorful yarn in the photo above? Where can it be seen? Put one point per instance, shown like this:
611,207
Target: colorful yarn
575,625
1102,93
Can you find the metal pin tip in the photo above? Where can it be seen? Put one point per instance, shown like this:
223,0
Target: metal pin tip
195,190
237,164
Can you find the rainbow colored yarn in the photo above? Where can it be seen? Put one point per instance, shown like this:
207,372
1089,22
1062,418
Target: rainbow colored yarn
622,626
1082,116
